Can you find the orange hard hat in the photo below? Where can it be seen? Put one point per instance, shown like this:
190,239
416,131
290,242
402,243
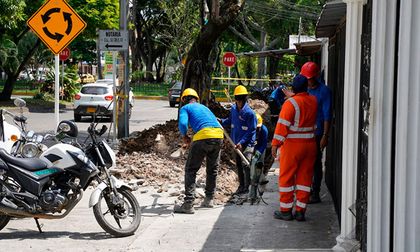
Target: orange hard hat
309,70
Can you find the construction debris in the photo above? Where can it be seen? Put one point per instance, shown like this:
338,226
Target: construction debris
146,157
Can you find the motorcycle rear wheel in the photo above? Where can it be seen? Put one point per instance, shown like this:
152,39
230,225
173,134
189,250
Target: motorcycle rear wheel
110,215
4,219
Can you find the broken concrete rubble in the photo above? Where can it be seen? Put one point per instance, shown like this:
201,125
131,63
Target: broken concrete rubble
145,156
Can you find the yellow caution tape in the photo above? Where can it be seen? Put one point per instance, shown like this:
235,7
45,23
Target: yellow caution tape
245,79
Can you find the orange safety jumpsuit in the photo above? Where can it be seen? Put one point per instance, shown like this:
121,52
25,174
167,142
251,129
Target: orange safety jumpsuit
294,134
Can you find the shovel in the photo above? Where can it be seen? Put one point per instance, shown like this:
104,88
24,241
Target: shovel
179,152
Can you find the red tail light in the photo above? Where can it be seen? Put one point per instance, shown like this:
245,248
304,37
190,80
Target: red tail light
109,97
77,97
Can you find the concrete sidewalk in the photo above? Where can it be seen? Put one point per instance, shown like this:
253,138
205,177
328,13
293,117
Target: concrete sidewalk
223,228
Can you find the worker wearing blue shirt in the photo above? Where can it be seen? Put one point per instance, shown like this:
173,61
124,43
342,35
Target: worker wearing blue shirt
275,101
258,180
323,95
206,142
242,122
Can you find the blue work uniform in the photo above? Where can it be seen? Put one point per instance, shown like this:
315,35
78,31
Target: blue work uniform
323,97
278,96
203,122
243,124
262,139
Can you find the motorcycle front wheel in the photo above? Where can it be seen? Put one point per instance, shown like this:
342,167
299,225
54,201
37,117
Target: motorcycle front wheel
4,219
119,215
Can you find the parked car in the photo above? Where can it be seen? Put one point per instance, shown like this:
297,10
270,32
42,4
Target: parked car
96,95
86,78
174,94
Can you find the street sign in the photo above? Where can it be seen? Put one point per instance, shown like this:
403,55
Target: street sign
65,54
113,40
229,59
56,24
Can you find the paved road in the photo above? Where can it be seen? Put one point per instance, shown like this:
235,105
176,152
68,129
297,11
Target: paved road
146,113
223,228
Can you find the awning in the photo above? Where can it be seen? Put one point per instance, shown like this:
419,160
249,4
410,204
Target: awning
331,16
308,48
269,53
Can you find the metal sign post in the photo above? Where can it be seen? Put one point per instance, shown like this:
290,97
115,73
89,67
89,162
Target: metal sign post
56,91
229,60
114,99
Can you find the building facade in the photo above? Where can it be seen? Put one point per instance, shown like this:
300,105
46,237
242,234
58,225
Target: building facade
373,70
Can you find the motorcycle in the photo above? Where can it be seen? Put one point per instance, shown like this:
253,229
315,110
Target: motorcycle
9,133
51,186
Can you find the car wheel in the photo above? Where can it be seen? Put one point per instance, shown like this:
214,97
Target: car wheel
172,104
77,117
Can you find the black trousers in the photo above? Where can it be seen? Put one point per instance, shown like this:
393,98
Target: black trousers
209,149
244,173
317,178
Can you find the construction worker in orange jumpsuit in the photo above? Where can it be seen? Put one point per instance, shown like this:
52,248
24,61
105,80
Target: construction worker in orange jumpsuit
294,135
317,88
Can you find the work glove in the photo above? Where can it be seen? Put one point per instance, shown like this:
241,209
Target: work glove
256,156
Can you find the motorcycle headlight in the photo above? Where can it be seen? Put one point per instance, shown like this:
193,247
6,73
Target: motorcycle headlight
30,150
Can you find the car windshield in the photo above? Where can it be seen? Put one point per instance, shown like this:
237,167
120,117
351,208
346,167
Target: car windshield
177,85
94,90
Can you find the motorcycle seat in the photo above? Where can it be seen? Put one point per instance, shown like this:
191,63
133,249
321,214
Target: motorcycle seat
30,164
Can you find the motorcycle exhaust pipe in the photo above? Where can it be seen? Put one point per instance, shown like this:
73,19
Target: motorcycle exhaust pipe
4,208
8,203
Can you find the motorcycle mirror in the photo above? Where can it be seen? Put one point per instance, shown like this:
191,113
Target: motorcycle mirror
64,127
19,102
103,130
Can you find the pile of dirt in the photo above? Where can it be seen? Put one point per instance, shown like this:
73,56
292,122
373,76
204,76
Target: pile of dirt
145,156
167,175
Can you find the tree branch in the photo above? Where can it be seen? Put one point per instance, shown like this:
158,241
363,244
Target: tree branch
248,32
247,40
274,42
255,25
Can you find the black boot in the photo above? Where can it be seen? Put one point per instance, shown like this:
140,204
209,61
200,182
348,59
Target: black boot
238,191
186,207
300,216
287,216
314,198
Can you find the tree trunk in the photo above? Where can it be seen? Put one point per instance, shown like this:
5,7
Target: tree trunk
273,68
199,65
6,94
262,66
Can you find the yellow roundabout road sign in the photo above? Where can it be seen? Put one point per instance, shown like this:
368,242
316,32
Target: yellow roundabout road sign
56,24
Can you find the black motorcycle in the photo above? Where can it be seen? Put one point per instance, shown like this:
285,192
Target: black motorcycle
49,187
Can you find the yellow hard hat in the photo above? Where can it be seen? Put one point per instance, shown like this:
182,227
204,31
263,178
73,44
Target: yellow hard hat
189,92
259,120
240,90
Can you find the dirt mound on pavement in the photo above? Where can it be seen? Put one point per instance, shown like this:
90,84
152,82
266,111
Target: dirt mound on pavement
145,156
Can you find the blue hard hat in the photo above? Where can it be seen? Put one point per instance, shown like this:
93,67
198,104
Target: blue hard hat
299,84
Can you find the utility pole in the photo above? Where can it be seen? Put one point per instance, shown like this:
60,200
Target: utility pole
300,29
123,120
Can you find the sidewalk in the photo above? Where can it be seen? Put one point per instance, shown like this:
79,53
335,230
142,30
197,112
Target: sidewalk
223,228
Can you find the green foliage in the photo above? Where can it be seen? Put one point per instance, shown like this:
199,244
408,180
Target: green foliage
68,88
248,66
8,53
12,12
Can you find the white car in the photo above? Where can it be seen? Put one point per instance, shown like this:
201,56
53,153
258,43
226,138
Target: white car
96,96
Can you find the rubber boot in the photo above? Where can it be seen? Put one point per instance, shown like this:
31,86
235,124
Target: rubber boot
287,216
300,216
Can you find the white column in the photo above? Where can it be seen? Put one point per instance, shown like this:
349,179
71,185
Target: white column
380,128
407,151
354,18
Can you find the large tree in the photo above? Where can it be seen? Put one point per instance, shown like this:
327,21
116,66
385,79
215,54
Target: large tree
200,59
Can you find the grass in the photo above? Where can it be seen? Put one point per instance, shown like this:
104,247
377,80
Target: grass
34,104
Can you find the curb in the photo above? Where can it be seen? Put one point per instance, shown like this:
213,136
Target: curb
161,98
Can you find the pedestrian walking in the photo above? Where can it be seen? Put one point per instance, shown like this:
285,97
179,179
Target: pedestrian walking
323,95
258,180
294,135
242,122
206,143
